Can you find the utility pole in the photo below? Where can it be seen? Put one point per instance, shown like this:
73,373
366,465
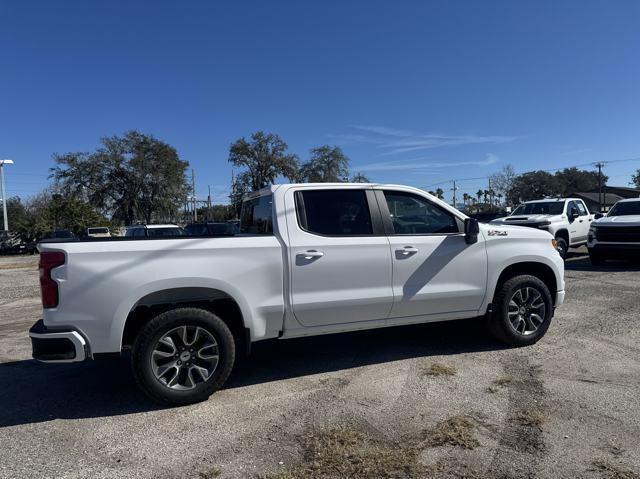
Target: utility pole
4,200
209,203
455,190
600,164
193,191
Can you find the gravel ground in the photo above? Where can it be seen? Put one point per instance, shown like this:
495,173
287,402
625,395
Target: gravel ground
565,408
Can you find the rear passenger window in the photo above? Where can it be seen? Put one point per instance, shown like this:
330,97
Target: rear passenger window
334,212
257,216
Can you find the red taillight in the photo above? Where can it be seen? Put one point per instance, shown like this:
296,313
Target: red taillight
48,287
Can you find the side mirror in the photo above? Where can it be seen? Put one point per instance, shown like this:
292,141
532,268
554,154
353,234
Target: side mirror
471,230
597,216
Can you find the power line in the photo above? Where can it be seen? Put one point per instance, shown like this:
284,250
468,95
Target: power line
545,170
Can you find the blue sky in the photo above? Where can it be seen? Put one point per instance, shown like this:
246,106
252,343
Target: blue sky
414,92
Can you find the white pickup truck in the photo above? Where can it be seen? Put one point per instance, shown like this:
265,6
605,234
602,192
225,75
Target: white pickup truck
567,219
616,235
310,259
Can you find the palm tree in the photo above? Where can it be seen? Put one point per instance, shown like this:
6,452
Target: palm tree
440,193
486,194
479,195
465,199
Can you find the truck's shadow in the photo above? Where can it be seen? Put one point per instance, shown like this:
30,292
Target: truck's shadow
581,262
32,392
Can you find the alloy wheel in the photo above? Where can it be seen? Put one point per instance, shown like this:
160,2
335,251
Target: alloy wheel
527,310
184,357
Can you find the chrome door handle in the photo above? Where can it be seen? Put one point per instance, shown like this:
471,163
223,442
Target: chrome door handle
311,254
407,250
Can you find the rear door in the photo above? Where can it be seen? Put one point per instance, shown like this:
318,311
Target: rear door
435,271
338,256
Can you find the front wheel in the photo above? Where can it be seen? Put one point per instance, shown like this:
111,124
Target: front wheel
182,356
562,246
522,313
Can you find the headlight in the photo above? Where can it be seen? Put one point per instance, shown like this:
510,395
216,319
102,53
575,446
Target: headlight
592,234
544,224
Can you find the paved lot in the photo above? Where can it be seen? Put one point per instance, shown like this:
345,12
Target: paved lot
567,407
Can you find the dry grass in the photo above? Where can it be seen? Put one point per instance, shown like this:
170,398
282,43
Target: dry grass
210,474
33,265
503,381
437,369
611,471
345,452
533,417
455,431
496,384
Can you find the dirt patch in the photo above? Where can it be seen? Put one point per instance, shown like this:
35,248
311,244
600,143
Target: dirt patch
437,369
611,471
346,451
455,431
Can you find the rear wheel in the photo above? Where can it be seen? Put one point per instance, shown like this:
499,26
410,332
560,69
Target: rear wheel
522,311
596,257
183,356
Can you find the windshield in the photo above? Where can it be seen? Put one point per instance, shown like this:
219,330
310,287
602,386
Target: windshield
541,208
625,208
165,231
97,231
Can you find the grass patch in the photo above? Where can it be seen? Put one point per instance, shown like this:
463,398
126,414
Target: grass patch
533,417
437,369
611,471
345,452
455,431
210,474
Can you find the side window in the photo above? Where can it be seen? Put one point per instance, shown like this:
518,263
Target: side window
334,212
139,232
414,215
129,232
572,208
257,216
581,208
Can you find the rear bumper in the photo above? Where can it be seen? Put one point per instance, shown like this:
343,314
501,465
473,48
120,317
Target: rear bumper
57,346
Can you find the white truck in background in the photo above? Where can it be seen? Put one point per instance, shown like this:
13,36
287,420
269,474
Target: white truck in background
566,219
310,259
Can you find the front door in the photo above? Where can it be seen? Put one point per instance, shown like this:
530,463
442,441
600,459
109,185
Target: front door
581,224
435,271
338,256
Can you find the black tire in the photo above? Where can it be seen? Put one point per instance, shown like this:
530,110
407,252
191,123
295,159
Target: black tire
596,258
148,339
499,322
562,247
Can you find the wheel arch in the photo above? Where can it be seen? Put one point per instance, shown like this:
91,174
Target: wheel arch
540,270
217,301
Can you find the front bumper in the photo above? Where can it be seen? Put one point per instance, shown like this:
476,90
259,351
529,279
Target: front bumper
57,346
559,298
615,250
